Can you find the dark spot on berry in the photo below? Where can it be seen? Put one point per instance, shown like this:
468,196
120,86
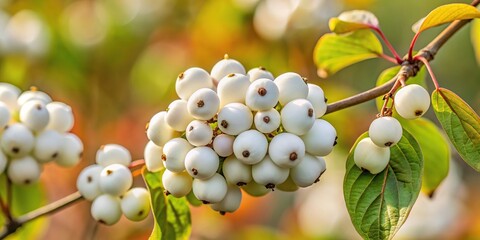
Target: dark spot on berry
140,213
388,144
418,113
15,149
293,156
317,180
205,202
6,127
121,197
266,119
101,221
27,181
89,179
326,99
262,68
231,75
270,186
305,79
200,103
166,192
194,171
310,112
262,91
336,137
55,155
335,143
109,172
241,184
164,157
181,75
246,154
190,129
222,213
224,124
80,155
38,106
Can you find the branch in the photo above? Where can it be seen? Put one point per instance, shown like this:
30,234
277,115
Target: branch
409,69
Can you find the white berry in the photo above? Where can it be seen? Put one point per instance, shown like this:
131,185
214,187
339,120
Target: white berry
232,88
71,151
201,162
371,157
177,115
5,115
250,147
268,174
17,140
115,179
106,209
34,115
8,95
231,202
286,150
158,131
224,67
48,145
385,131
262,95
87,182
191,80
412,101
236,172
234,118
223,145
320,139
298,116
257,73
153,157
211,190
113,153
24,170
177,184
33,94
199,133
174,153
267,121
291,86
203,104
61,117
317,97
135,204
308,171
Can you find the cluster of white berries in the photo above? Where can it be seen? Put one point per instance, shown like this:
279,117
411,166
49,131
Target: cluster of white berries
234,129
373,153
108,184
34,130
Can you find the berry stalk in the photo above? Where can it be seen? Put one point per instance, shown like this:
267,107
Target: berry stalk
398,59
430,71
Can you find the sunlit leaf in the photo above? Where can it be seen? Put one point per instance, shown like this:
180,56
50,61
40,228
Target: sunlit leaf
461,124
334,52
379,204
172,215
389,73
435,149
475,35
352,20
445,14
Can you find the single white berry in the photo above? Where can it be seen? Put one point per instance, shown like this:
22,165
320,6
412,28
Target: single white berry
17,140
34,115
267,121
250,147
115,179
262,95
224,67
291,86
231,202
48,145
135,204
202,162
320,139
113,153
87,182
33,94
3,162
223,145
174,153
298,116
24,170
5,115
287,186
258,73
153,157
255,190
232,88
203,104
8,95
236,172
106,209
359,16
61,117
412,101
191,80
158,131
177,184
385,131
71,151
211,190
371,157
268,174
234,118
308,171
177,115
286,150
316,96
199,133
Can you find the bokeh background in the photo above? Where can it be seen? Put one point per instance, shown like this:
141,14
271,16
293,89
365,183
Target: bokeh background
115,62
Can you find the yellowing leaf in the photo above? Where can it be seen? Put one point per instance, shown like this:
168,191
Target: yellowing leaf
447,13
352,21
334,52
475,35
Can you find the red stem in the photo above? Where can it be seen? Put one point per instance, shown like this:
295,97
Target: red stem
389,45
388,58
412,44
430,70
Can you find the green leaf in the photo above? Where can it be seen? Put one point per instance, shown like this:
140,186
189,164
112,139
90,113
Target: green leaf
435,149
338,26
475,36
24,200
379,204
461,124
334,52
389,73
172,215
445,14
